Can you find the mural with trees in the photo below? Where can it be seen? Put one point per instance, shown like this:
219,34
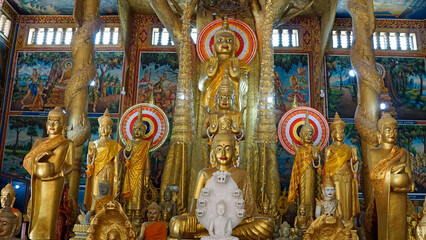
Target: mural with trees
4,59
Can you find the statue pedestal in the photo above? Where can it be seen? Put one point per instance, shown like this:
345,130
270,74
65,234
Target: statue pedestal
80,231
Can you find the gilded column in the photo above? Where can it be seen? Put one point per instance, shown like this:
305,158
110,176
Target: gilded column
86,14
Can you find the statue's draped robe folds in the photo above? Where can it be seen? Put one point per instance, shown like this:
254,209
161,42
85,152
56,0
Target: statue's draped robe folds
133,181
106,163
155,231
303,179
392,221
338,166
46,194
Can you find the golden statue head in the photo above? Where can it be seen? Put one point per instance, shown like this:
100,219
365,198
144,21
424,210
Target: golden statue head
337,128
113,234
105,125
8,190
266,206
302,209
139,127
225,41
8,220
153,213
167,195
224,150
307,132
225,95
387,129
56,122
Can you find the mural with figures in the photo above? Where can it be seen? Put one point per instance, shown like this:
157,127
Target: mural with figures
4,59
403,77
291,81
41,77
51,7
157,81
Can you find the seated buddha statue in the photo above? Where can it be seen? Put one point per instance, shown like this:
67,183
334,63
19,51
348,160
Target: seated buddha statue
224,48
302,221
329,205
9,190
253,226
8,221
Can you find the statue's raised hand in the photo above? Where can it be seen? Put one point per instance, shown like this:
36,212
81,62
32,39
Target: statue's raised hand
212,66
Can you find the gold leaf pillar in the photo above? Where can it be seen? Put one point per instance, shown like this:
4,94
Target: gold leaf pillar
266,128
370,85
176,169
86,14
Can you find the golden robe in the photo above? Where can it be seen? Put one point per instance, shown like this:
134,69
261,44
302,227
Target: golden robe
106,163
339,167
303,178
133,180
46,194
391,206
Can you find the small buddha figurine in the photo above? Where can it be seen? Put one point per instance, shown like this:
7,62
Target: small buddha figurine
136,179
8,221
390,174
220,227
48,162
102,161
303,175
113,234
224,48
302,221
340,163
9,190
252,226
168,205
154,229
99,201
421,227
329,205
224,105
266,208
285,232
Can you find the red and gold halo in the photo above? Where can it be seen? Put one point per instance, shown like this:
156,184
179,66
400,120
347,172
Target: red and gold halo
155,120
293,120
246,39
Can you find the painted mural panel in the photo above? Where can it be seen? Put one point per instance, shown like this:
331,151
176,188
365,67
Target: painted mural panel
291,81
157,81
41,79
403,77
52,7
4,59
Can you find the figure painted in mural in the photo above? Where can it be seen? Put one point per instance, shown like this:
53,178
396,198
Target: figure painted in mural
294,81
224,106
136,180
303,175
278,86
168,205
146,78
102,162
9,190
9,222
224,48
329,205
32,84
421,227
48,162
340,163
253,226
37,102
302,221
390,174
66,74
154,229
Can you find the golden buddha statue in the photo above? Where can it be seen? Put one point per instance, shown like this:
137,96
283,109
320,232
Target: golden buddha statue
9,190
224,48
253,226
390,174
328,227
48,162
9,221
154,229
136,180
302,221
99,201
341,163
303,176
421,227
168,207
102,162
224,106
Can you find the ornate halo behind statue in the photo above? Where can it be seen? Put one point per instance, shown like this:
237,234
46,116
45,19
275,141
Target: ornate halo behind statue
293,120
381,69
155,120
246,40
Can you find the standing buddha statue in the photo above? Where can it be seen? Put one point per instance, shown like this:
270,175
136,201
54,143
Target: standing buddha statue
303,175
341,163
390,174
136,180
9,190
224,48
102,162
48,162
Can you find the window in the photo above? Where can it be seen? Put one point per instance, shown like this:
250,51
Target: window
63,36
5,25
381,40
285,37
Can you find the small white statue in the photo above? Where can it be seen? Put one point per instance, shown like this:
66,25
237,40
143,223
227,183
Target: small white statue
329,205
220,226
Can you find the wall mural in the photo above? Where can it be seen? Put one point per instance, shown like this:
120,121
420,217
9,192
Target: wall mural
404,78
51,7
4,59
157,81
41,78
